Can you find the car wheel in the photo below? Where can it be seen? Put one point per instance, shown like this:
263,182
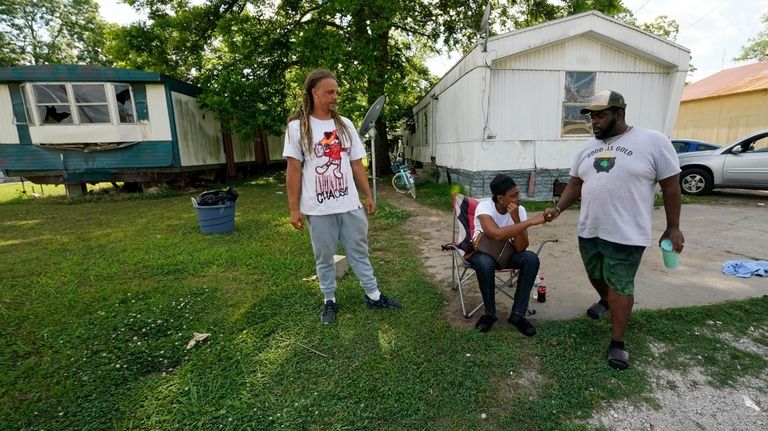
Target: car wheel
695,182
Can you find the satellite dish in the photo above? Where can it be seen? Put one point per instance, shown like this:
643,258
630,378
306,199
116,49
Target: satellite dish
484,25
370,118
367,126
486,16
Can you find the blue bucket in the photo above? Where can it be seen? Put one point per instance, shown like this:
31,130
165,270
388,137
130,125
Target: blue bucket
215,218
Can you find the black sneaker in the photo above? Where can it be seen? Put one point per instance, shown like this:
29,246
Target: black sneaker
523,325
383,302
329,312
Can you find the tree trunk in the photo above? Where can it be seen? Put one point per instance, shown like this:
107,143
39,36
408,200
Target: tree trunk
376,87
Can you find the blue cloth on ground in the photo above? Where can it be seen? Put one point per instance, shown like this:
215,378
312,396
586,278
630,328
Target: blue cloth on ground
745,268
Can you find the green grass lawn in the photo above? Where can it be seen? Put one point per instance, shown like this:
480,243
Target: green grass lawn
99,297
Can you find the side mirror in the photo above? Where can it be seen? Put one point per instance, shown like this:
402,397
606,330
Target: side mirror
737,149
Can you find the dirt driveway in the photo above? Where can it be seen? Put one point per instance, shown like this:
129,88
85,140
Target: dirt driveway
734,226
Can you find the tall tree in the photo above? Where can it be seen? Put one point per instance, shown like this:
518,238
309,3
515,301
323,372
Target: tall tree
250,56
662,25
757,49
51,31
10,55
516,14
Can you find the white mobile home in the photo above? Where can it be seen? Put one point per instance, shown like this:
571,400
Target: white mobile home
514,107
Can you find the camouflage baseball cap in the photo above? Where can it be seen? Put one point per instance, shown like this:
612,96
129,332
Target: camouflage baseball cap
604,100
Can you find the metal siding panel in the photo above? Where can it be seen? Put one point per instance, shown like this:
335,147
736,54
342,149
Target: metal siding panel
198,134
140,99
546,58
454,120
461,108
89,133
33,158
69,72
579,54
525,104
11,107
646,96
29,157
582,55
143,155
276,144
613,59
705,119
159,115
243,149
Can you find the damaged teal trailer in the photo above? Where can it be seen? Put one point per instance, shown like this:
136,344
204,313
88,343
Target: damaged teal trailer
75,124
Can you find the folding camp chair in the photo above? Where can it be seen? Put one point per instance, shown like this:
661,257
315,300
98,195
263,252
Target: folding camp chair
558,187
462,270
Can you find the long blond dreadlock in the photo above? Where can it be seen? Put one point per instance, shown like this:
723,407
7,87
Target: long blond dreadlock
306,107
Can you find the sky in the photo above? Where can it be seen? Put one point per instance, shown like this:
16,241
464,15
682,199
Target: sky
713,30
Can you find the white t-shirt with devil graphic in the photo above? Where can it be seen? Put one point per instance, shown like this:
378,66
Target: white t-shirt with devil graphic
327,183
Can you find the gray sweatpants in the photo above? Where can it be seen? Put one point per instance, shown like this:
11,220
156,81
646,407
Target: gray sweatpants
351,228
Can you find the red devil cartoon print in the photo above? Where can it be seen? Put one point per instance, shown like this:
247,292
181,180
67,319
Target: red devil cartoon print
330,146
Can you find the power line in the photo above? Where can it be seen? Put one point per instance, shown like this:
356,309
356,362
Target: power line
704,16
641,7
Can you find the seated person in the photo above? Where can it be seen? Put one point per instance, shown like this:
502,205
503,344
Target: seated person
502,218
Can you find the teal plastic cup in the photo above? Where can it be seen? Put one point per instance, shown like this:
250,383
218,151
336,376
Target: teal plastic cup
670,257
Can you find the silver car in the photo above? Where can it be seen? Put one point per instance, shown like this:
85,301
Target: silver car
742,164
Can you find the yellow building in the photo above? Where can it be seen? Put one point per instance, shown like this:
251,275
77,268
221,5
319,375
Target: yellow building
725,106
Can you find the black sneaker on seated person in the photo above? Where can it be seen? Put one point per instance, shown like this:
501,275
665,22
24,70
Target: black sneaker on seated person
523,325
383,302
485,323
329,312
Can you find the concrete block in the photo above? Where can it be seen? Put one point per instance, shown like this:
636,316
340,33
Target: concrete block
340,263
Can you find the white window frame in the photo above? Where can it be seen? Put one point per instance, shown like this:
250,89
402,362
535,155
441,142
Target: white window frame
77,104
132,101
32,106
583,100
36,105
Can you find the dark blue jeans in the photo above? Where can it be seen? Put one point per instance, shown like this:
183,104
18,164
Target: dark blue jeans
526,262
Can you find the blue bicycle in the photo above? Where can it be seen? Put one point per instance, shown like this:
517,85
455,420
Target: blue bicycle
403,181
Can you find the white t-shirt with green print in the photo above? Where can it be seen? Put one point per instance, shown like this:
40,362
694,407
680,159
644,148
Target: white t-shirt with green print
620,176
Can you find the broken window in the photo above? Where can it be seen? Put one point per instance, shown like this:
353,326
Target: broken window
125,108
53,103
82,103
91,103
579,90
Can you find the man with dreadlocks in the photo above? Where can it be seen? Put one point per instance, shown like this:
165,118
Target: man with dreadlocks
324,155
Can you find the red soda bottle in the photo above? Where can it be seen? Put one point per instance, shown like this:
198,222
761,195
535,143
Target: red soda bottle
541,290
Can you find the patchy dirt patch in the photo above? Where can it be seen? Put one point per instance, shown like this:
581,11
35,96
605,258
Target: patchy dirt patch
745,343
689,403
430,229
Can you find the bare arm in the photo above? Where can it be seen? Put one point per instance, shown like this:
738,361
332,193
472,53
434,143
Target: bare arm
571,193
293,187
361,179
670,190
518,231
521,239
